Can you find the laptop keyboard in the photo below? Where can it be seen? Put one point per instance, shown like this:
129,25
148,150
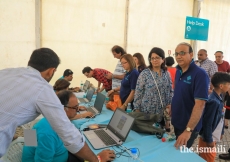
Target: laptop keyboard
105,137
91,110
81,100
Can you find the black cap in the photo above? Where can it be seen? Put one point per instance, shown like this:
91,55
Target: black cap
67,72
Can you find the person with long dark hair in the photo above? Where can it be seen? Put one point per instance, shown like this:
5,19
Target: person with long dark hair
140,62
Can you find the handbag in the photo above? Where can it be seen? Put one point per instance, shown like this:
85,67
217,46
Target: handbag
143,123
165,112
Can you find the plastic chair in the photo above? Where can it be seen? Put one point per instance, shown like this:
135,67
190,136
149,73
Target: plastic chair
14,152
31,124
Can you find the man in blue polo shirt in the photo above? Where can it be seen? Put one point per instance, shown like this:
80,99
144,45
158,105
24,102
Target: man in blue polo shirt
190,95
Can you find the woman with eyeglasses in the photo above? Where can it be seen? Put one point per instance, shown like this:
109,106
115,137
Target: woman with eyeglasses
140,62
154,92
62,84
128,83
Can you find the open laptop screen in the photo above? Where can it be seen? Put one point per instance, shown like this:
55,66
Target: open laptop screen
120,124
86,85
90,93
100,99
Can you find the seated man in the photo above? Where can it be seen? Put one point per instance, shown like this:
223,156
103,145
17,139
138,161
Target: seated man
68,75
99,75
62,84
50,147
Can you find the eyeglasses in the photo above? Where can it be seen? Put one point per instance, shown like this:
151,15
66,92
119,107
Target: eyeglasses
155,58
181,53
122,63
74,107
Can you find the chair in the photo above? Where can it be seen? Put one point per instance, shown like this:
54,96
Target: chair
32,123
14,152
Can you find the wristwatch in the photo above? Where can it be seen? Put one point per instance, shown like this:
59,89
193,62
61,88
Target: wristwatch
125,105
188,129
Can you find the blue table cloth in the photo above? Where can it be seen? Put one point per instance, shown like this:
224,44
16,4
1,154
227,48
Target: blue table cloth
150,147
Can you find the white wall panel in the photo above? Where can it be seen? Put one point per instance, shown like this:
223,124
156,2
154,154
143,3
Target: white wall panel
17,32
218,13
156,23
82,33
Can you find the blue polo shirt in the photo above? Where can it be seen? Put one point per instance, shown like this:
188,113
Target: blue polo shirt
128,83
190,85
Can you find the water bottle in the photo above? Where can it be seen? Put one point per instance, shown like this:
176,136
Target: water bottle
169,138
81,85
133,154
129,108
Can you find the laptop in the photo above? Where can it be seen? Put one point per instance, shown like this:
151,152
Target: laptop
89,96
98,105
115,133
85,86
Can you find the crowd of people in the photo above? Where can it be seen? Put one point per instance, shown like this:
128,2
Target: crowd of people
191,95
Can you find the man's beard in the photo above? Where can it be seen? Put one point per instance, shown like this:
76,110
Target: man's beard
49,79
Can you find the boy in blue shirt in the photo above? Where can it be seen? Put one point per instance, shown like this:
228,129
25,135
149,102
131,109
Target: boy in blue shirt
212,123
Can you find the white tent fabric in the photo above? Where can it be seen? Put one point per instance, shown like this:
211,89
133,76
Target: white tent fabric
83,32
218,13
157,23
17,32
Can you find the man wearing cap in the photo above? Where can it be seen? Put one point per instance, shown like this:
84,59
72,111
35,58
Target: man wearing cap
190,95
68,75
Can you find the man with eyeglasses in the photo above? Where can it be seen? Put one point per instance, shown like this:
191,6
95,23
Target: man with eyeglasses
209,66
190,95
50,147
26,93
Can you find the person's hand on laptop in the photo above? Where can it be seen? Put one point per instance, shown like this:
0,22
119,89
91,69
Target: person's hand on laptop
76,89
82,108
87,114
107,155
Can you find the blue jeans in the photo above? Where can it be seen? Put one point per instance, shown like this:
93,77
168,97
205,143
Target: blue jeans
191,139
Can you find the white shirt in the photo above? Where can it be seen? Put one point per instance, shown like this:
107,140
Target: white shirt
118,71
24,95
217,132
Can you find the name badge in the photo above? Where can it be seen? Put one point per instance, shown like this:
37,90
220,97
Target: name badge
30,137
